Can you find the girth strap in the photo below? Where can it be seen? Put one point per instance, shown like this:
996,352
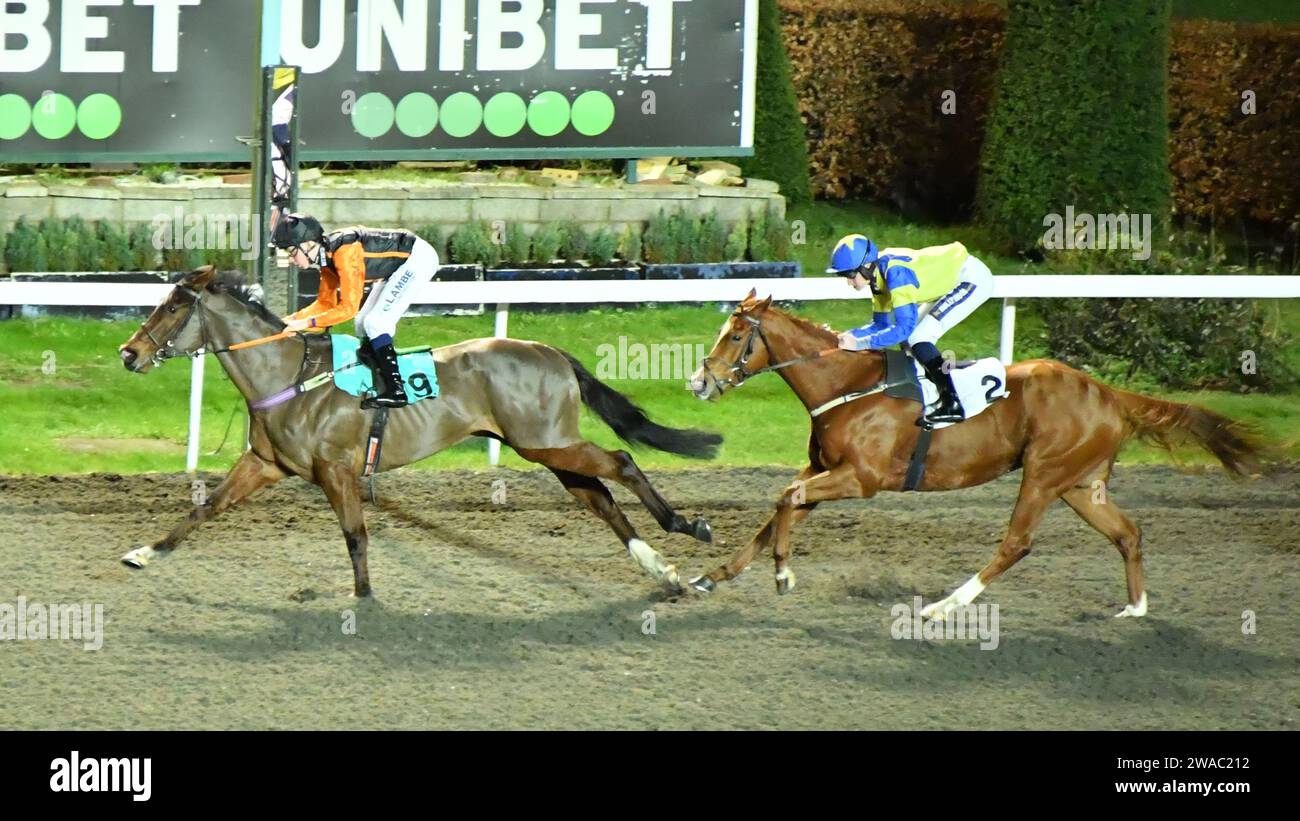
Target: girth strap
916,468
850,397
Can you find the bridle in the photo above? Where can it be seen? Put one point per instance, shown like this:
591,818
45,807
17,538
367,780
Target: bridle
737,368
167,350
737,373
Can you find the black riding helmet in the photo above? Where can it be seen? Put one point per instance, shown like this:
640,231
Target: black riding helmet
292,230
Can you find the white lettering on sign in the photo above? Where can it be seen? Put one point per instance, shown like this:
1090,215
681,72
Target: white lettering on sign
328,46
30,25
451,37
494,21
659,32
508,35
379,20
78,26
571,25
166,31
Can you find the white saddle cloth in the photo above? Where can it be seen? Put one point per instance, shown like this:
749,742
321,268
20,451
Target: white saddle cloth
979,384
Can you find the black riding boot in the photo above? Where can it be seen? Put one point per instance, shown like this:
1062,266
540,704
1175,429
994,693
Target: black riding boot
394,393
366,356
948,408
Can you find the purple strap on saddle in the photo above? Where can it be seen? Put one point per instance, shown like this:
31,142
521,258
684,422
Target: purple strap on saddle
275,399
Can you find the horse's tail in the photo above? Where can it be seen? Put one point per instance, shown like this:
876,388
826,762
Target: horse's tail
632,425
1163,423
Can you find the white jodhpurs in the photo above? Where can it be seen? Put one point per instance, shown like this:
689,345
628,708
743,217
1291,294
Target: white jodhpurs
389,299
974,287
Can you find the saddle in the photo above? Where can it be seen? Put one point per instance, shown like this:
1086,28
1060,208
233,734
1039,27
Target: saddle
979,383
356,373
354,368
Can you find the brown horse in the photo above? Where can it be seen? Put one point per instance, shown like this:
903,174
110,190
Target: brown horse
1061,427
526,394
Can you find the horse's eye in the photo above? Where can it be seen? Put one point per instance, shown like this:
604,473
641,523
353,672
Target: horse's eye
171,309
735,337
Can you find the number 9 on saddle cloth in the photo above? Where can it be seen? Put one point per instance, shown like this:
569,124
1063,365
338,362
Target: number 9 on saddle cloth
354,369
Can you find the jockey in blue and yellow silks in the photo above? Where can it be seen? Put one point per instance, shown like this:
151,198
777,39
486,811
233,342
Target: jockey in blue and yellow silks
917,296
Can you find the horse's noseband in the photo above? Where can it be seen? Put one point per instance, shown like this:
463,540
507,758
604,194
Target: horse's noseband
736,370
167,350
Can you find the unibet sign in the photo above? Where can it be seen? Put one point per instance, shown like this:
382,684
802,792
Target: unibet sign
501,40
381,78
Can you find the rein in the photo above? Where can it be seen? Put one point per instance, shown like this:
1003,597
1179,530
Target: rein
253,343
738,368
302,387
165,351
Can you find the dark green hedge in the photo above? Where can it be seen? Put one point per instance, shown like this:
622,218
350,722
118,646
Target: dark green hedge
780,149
1080,115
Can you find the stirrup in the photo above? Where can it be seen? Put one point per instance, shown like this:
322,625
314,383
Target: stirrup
385,401
393,395
946,413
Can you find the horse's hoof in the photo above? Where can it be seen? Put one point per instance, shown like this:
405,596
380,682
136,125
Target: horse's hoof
704,584
940,610
702,531
785,581
1134,610
672,582
141,556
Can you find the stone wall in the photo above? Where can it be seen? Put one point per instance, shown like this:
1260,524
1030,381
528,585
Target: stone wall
412,207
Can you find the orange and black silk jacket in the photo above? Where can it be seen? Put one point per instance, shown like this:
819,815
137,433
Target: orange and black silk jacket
353,257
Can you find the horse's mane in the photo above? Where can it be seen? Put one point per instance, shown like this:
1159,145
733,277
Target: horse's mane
250,296
807,326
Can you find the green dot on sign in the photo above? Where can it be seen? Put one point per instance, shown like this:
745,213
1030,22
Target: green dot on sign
593,113
54,116
505,114
15,116
548,113
99,116
417,114
462,114
372,115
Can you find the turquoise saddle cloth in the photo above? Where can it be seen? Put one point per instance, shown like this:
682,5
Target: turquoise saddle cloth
416,365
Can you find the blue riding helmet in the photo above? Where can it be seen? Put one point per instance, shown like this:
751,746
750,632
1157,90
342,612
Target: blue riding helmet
851,255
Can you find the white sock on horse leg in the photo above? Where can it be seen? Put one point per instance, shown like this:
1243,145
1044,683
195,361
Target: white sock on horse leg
968,591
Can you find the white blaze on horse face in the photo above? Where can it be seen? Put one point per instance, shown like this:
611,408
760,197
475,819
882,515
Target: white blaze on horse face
704,384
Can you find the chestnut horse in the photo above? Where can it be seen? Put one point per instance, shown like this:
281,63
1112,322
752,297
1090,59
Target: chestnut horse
526,394
1060,426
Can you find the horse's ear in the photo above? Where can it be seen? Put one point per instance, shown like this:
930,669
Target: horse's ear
763,306
753,294
200,278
